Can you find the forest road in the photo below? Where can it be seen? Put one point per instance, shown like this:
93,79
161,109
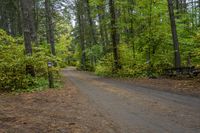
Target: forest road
137,109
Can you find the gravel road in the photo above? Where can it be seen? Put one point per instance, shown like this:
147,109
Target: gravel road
137,109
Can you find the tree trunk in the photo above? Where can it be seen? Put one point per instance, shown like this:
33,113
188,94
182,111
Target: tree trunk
35,23
114,35
26,11
50,26
177,5
199,13
92,28
101,28
81,34
174,35
19,19
26,25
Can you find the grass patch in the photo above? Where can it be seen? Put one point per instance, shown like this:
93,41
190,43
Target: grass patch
39,84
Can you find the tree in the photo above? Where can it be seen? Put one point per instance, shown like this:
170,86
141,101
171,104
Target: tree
27,14
91,23
114,36
80,21
177,57
50,26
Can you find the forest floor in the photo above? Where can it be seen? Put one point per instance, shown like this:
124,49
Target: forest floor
63,110
91,104
190,86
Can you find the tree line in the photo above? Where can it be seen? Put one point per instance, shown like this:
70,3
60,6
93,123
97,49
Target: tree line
137,35
29,30
111,37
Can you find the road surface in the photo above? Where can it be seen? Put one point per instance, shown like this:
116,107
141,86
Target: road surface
137,109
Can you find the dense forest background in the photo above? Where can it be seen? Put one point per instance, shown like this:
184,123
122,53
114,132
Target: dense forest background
129,38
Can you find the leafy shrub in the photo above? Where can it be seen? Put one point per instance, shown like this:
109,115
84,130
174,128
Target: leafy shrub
104,66
13,64
133,64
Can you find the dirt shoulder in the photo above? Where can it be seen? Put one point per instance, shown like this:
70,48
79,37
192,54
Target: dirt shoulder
182,86
64,110
190,86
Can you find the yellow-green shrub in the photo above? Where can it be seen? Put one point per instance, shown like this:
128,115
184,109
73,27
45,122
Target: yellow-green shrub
13,64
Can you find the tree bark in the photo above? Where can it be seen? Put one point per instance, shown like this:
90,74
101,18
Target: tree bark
177,5
50,29
25,4
81,34
34,23
198,16
101,28
26,13
19,19
177,57
92,28
114,35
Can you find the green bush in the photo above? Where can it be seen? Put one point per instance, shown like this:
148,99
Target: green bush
105,66
133,64
13,63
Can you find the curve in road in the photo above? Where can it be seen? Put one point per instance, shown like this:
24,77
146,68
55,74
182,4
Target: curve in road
137,109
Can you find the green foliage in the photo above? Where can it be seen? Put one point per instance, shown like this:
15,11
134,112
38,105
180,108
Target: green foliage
5,39
104,66
13,63
146,46
37,84
64,50
133,63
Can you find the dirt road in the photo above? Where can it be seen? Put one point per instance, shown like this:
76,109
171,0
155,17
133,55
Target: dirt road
137,109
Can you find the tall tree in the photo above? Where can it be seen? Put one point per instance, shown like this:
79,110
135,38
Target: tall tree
27,14
81,33
114,34
198,13
103,28
91,23
177,58
50,26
